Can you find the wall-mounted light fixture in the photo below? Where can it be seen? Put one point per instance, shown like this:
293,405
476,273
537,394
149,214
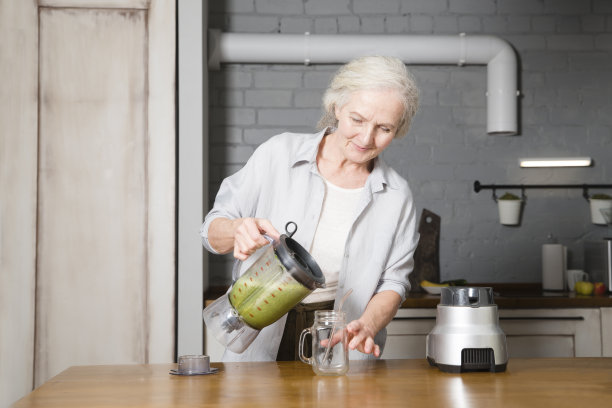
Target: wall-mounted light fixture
556,162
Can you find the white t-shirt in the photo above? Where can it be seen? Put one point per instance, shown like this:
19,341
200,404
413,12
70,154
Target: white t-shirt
337,215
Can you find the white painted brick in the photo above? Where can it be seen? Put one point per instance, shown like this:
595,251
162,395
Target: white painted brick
277,79
593,23
520,6
232,6
288,117
445,24
568,24
234,116
348,24
603,42
566,6
544,61
376,7
279,6
224,134
591,62
230,98
470,24
268,98
543,24
245,23
423,7
295,25
421,24
519,24
472,6
396,24
231,79
256,136
570,42
470,116
526,42
327,7
372,25
326,25
495,24
602,6
317,79
308,99
468,78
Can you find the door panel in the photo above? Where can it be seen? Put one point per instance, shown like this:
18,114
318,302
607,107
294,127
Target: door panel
92,195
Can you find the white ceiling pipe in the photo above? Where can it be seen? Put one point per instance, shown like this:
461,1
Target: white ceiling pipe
307,49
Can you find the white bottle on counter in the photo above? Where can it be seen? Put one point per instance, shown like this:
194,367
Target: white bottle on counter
554,264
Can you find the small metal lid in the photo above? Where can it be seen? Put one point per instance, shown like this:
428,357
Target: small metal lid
298,262
466,296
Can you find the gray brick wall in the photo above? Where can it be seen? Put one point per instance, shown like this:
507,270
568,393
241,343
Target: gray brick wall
565,53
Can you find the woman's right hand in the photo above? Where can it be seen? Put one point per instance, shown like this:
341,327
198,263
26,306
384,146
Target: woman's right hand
248,236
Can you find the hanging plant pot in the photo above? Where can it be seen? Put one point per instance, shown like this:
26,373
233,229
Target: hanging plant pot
509,207
597,203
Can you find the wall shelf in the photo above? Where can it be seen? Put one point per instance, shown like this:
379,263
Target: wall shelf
585,187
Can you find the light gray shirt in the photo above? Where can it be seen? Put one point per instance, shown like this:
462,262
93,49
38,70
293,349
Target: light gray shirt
281,182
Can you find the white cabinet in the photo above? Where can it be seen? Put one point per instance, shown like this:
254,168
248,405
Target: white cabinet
584,332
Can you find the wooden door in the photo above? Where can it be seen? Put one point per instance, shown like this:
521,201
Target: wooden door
92,158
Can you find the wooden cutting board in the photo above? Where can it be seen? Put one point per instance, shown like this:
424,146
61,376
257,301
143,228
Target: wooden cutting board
427,253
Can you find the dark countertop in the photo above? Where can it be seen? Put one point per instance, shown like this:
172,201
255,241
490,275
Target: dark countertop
506,296
520,296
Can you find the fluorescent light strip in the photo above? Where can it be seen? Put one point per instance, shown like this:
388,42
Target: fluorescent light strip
556,162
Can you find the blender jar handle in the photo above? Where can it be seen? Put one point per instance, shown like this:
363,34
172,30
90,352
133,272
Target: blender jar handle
307,360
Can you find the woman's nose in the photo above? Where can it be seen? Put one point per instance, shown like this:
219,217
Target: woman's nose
367,135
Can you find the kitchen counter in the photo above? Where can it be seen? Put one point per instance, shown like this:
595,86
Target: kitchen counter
506,296
526,383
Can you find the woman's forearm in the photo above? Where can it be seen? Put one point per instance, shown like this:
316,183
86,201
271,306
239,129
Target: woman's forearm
221,234
380,310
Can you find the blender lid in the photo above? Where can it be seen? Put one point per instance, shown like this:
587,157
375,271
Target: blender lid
298,262
466,296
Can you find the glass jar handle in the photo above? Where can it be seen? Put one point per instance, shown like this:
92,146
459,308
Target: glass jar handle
307,360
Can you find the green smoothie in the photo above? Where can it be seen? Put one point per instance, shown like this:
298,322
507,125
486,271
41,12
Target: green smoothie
263,305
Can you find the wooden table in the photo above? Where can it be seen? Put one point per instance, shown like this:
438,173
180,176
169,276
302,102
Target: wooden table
571,382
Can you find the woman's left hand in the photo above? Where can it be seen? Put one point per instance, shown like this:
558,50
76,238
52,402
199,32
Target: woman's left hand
361,337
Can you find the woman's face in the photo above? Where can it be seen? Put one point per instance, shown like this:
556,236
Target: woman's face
367,123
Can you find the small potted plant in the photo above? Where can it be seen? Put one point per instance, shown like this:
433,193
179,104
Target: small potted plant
509,206
599,202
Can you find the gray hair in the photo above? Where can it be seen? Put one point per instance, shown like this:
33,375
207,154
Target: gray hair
372,72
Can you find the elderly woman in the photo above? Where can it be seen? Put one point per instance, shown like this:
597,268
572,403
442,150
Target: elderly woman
356,215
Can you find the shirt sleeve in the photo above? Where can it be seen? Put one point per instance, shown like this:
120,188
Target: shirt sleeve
239,193
401,257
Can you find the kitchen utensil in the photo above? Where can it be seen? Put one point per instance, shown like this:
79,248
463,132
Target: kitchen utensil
323,362
280,278
427,253
194,365
331,336
467,336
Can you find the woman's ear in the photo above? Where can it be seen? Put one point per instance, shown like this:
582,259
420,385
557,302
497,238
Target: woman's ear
336,112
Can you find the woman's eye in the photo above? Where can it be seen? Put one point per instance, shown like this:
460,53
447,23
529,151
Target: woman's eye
356,120
385,129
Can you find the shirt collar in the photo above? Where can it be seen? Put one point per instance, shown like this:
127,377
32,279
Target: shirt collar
378,178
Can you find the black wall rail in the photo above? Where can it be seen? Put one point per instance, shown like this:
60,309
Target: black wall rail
523,187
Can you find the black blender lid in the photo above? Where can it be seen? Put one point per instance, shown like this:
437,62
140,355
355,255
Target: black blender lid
298,262
466,296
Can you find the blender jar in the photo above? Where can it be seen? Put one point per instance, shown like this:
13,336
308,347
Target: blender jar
282,276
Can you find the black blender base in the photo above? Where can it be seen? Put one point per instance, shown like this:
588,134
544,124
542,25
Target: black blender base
466,368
